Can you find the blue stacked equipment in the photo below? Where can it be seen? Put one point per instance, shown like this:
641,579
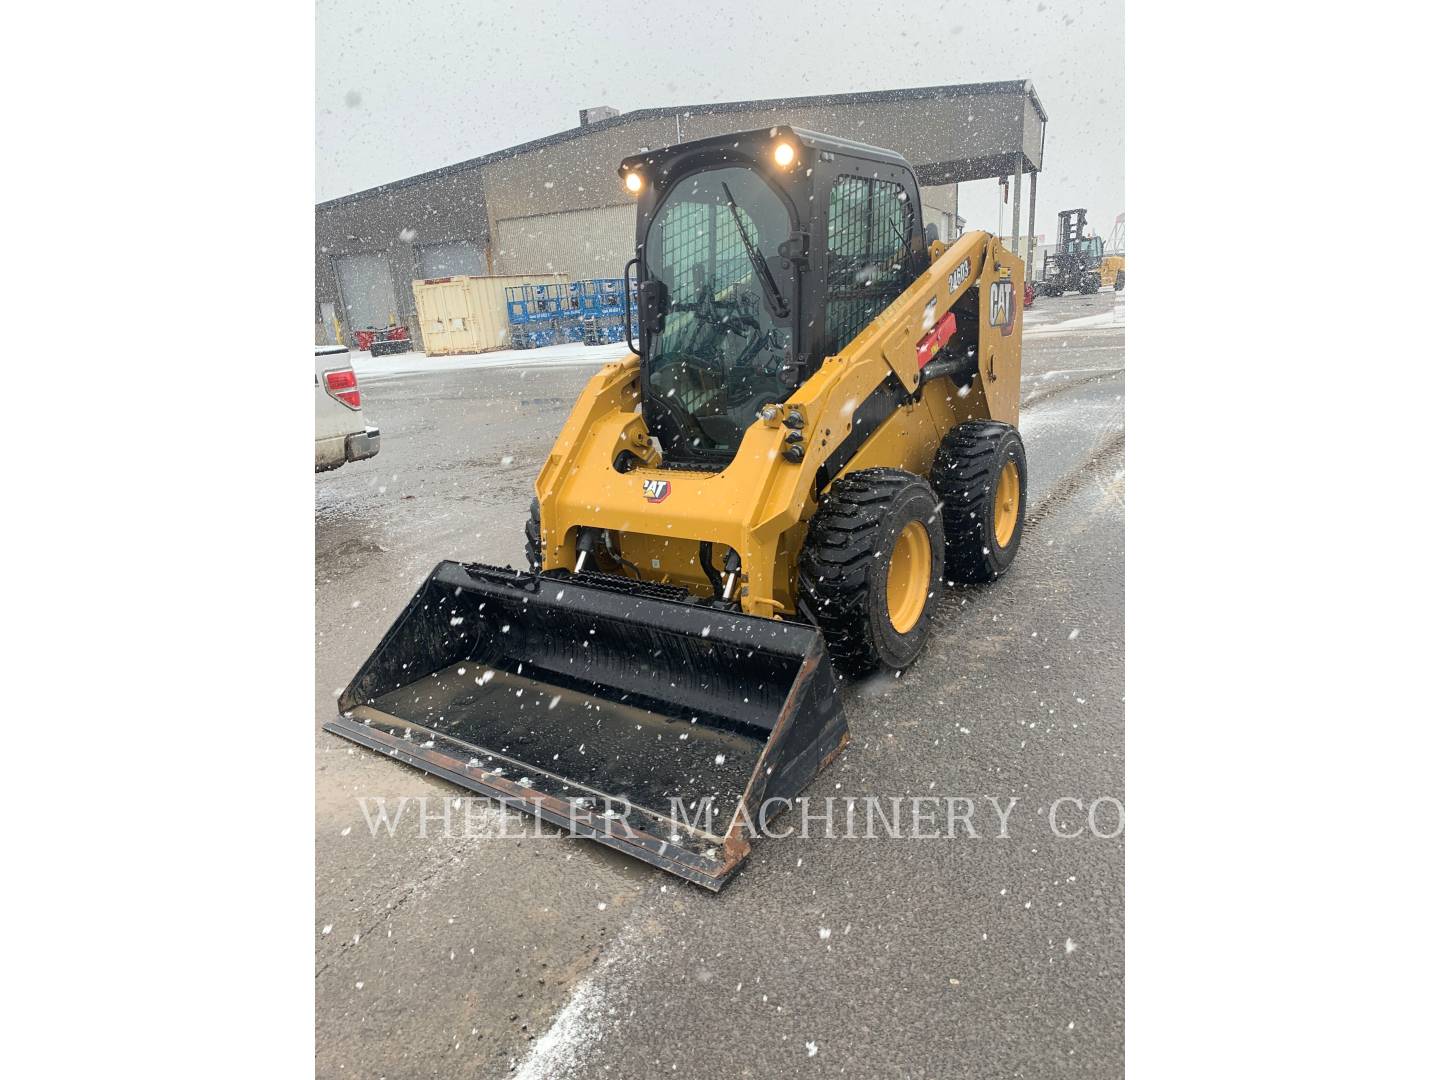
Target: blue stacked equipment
568,320
602,304
519,308
534,311
591,310
552,302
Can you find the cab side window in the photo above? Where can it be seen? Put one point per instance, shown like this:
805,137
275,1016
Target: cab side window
868,234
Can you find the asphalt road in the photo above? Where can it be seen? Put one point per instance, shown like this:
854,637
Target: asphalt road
471,955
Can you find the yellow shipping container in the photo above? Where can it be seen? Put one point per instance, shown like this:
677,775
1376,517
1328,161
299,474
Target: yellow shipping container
467,314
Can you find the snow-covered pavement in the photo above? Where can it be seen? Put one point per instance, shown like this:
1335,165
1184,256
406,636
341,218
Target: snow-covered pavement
370,368
1039,321
539,956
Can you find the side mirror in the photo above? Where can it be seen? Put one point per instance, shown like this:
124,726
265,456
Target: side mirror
932,233
653,301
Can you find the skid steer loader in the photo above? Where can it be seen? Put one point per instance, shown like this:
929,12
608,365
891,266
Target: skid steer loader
815,431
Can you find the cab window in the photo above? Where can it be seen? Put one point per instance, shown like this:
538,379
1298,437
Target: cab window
868,233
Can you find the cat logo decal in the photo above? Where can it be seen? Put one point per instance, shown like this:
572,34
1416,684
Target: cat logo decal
1002,306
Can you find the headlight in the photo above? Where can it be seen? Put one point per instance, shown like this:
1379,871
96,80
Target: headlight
784,155
634,182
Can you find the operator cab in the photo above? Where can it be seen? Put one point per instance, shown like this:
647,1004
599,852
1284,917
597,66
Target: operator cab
758,255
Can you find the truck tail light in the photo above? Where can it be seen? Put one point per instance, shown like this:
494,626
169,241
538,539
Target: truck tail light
341,385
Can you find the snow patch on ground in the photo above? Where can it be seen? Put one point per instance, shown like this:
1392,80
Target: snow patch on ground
562,1051
1106,320
574,354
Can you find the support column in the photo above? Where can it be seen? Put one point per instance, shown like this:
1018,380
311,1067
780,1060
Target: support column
1019,175
1030,244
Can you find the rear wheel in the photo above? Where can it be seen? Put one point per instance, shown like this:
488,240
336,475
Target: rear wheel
871,566
980,474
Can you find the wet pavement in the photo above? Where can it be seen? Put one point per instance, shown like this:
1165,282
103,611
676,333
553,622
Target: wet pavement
455,951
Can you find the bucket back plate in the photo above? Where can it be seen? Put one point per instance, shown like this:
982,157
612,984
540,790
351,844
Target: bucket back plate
620,710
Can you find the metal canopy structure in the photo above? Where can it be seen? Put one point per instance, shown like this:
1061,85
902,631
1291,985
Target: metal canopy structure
1002,120
543,200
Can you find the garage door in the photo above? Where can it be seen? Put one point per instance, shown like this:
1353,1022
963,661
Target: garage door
583,244
366,290
450,260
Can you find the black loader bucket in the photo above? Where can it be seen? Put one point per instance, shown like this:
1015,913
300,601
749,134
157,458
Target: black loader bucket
616,709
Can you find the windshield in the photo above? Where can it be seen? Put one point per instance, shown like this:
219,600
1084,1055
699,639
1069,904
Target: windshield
726,348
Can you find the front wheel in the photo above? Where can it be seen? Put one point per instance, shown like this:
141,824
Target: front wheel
871,567
981,475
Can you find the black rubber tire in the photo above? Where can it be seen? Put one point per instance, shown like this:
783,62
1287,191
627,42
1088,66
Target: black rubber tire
532,538
966,471
845,563
1120,281
1089,284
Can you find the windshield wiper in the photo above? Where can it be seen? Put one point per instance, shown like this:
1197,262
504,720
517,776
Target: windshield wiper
762,269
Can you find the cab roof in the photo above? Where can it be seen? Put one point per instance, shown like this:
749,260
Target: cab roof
747,140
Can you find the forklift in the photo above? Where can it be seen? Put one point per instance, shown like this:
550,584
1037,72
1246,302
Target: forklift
1079,263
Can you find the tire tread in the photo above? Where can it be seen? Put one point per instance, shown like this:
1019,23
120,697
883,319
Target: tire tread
962,473
839,554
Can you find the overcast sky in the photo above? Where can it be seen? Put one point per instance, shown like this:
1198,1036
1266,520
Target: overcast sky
404,87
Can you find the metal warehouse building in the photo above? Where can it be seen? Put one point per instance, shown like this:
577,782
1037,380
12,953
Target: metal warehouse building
555,205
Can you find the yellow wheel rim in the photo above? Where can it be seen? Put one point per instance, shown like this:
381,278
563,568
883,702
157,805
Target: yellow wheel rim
1007,504
907,582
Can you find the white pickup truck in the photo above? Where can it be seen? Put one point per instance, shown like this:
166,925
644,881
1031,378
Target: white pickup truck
341,433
